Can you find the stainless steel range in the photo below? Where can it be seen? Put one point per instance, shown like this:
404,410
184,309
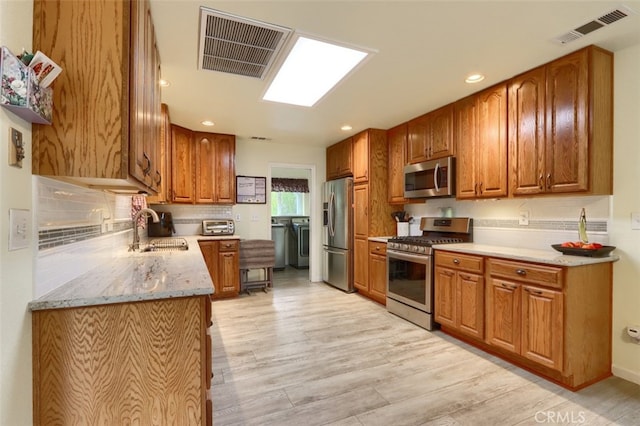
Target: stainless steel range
410,267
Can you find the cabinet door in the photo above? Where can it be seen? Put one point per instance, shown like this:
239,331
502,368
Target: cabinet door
397,145
440,135
228,273
542,326
445,297
470,295
527,133
492,142
378,272
417,130
361,157
567,149
208,249
361,211
139,159
466,136
182,170
204,159
361,265
163,156
224,187
503,314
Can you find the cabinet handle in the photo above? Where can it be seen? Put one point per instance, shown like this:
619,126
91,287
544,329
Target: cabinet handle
147,169
480,187
530,290
521,272
456,261
510,287
159,180
377,248
549,181
541,182
475,189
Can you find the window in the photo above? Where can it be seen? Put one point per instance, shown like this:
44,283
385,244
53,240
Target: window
289,197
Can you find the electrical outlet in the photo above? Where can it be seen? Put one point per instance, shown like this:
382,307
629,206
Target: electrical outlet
18,229
254,218
523,218
635,220
237,217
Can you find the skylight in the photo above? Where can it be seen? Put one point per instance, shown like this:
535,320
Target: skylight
312,69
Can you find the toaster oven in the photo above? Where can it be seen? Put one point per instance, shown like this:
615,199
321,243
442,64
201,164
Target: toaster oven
218,227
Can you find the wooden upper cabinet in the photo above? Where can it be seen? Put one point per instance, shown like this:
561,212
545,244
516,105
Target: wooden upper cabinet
203,167
339,159
110,143
561,126
224,169
527,132
481,139
397,145
466,140
204,158
182,170
567,132
492,142
430,136
163,155
361,157
417,130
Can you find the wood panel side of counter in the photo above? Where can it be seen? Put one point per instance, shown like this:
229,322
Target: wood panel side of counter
129,363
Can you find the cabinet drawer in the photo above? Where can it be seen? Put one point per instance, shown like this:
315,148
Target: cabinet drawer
464,262
526,272
229,245
376,247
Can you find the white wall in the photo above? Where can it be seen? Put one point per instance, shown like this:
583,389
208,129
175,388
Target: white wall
626,274
16,266
254,220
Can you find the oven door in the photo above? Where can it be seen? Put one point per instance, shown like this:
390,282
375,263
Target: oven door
409,279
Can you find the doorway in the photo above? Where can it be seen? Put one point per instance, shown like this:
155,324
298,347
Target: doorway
294,208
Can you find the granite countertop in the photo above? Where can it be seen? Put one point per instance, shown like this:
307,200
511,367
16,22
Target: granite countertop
133,277
550,257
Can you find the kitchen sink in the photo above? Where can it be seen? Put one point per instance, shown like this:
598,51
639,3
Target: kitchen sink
165,244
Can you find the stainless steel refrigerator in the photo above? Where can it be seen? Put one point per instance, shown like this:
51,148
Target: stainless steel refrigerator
337,237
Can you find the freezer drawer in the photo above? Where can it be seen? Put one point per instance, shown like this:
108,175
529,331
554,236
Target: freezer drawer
336,268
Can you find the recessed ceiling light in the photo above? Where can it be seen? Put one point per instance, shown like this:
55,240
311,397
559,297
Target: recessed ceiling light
346,127
208,123
474,78
311,69
164,83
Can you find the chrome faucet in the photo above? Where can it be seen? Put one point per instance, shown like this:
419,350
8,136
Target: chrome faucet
135,245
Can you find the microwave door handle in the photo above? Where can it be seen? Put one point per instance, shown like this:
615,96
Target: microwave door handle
436,177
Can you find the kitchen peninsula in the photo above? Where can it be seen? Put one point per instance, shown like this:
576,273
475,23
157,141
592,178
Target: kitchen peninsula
126,342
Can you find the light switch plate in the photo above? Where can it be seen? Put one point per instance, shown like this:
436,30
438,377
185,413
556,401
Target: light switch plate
635,220
523,218
19,220
16,148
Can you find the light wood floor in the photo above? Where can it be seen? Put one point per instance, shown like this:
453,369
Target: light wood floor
308,354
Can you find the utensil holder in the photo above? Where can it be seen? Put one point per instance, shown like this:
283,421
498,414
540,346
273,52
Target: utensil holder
402,229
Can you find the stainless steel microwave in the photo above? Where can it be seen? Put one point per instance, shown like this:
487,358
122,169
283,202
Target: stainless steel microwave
434,178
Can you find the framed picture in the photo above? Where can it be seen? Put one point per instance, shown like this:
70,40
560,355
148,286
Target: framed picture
251,190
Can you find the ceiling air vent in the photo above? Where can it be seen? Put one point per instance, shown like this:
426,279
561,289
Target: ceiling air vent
238,45
604,20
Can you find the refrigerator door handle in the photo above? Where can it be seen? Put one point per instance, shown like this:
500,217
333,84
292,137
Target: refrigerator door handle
332,213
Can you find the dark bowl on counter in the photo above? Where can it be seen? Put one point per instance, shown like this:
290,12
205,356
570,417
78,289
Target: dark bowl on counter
574,251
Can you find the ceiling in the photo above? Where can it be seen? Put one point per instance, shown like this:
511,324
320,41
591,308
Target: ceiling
425,49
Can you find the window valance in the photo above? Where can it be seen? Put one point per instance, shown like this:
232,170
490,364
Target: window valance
289,185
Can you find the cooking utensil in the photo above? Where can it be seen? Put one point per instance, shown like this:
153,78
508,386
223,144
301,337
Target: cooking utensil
582,227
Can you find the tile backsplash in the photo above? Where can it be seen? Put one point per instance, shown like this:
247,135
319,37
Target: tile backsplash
551,219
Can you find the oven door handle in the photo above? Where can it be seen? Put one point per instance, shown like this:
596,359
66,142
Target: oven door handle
423,259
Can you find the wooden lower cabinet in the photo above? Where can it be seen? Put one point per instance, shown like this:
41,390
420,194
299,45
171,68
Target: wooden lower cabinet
459,292
554,321
378,271
125,363
223,262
